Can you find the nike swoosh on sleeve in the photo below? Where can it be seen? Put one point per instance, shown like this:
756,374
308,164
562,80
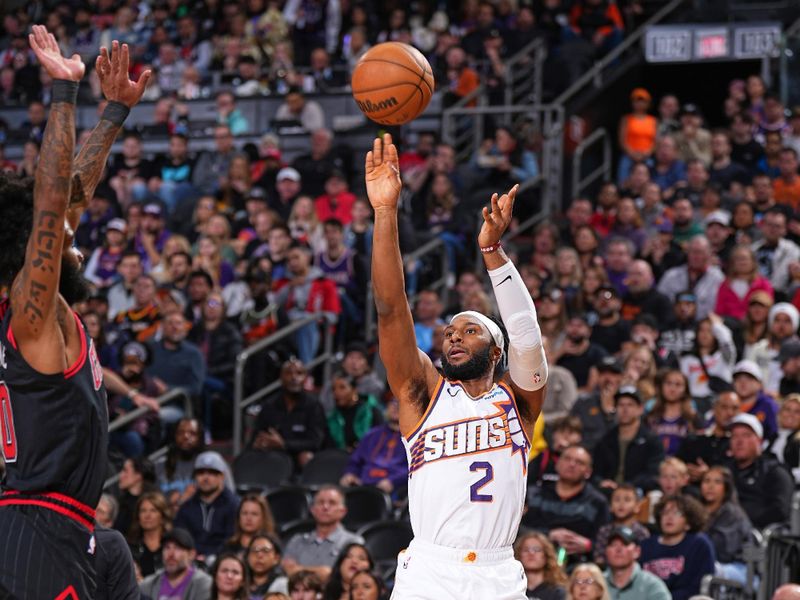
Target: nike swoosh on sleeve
504,280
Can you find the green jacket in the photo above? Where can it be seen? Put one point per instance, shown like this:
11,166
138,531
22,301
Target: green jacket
363,421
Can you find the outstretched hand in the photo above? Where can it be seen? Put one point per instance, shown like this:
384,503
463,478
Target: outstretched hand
48,54
112,69
497,218
382,174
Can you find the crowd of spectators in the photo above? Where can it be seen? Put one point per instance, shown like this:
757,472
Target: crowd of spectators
669,301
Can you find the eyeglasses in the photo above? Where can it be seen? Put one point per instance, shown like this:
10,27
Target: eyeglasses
262,550
532,549
587,581
213,303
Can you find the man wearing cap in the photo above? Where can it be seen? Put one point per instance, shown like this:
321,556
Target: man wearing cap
685,225
782,325
288,184
597,411
748,383
698,275
677,335
152,235
764,484
337,201
642,297
637,133
774,252
628,452
610,331
210,514
101,268
212,167
579,354
179,579
100,209
702,449
626,579
719,233
789,360
693,140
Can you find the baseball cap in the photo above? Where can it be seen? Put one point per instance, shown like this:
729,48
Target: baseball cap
628,391
720,217
152,208
640,93
761,297
789,349
136,350
117,225
748,367
609,364
624,533
750,421
690,109
288,173
608,288
210,461
178,536
336,174
257,193
686,297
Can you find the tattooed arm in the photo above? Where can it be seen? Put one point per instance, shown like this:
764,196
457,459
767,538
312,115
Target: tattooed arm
34,292
117,87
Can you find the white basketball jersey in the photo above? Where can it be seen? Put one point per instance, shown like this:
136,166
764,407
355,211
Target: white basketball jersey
467,468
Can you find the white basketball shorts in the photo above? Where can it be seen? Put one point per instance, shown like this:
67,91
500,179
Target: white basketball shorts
426,571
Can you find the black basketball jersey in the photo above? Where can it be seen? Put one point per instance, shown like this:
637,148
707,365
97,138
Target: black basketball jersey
53,428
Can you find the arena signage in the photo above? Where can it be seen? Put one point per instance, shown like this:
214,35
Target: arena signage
705,42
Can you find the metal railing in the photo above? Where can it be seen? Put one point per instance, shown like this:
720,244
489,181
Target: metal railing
169,396
549,118
140,412
240,403
604,170
410,259
521,86
594,76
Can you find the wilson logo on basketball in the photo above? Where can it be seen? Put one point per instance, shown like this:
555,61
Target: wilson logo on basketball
368,107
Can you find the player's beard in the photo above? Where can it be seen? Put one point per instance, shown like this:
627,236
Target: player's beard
476,367
71,284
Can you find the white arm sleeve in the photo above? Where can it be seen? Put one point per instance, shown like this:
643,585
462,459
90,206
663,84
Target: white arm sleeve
527,363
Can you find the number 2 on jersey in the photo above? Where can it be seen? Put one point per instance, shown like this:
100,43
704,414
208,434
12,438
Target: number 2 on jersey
8,437
475,488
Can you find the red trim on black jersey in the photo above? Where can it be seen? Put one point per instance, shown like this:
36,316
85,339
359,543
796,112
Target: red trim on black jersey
76,366
68,594
69,507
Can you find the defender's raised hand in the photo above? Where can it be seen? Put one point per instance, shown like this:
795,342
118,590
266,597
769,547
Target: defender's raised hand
112,69
48,54
497,219
382,174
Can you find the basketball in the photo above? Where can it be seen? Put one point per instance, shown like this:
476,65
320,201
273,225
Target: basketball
392,83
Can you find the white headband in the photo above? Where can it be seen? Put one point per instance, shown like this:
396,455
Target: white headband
490,325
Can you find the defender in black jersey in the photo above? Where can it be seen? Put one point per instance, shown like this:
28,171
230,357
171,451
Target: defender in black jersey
53,412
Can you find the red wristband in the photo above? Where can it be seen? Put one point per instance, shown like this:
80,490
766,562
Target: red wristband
490,249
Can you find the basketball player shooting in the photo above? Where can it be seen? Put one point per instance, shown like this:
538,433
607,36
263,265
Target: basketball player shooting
53,413
466,432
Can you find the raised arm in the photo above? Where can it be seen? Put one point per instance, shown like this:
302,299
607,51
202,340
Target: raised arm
122,94
527,364
34,292
410,372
